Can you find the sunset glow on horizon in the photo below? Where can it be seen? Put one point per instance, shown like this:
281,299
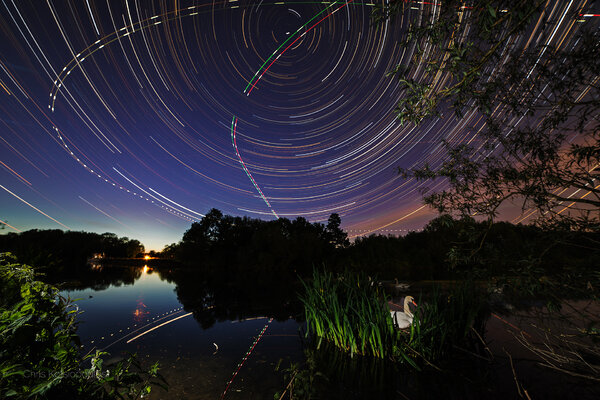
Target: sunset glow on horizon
139,117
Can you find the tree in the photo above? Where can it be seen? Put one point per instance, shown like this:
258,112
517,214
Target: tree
133,247
211,224
531,75
337,236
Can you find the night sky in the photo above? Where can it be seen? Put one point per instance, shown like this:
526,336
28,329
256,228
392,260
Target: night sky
136,117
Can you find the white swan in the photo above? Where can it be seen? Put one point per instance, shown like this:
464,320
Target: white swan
403,319
400,285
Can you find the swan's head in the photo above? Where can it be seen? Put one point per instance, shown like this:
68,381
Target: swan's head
410,299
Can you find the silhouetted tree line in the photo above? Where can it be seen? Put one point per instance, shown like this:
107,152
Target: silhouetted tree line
448,248
239,250
244,249
63,252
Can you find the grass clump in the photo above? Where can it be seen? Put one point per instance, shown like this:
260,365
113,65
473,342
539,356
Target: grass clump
352,313
349,312
446,320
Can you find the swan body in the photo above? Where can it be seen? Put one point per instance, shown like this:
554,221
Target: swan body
403,319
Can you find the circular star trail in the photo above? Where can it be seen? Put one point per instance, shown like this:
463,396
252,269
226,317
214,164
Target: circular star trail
137,117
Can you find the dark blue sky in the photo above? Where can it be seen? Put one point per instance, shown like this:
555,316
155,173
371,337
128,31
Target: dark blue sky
137,117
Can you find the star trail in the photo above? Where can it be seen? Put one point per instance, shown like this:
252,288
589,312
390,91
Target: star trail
137,117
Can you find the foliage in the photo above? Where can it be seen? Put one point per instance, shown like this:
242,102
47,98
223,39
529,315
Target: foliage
538,136
349,311
39,347
64,252
235,249
460,44
449,248
522,285
229,246
337,236
445,320
303,379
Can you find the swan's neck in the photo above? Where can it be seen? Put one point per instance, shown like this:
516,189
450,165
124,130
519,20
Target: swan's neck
407,308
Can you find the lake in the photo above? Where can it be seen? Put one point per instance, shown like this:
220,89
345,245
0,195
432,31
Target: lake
198,354
234,340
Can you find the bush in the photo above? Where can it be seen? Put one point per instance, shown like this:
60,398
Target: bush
39,346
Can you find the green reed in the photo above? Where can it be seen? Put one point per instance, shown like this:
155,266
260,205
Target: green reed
447,319
351,312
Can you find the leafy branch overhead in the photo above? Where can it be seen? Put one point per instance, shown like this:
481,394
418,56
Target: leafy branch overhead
528,102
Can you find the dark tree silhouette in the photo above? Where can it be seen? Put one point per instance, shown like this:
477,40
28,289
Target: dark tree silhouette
66,251
538,136
240,245
337,236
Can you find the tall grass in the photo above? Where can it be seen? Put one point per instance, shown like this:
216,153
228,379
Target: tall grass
347,311
350,312
446,320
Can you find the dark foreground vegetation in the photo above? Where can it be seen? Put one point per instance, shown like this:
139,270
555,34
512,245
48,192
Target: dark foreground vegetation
40,354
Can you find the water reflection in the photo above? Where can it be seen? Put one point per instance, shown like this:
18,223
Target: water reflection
338,376
140,312
213,301
96,278
145,311
210,298
122,303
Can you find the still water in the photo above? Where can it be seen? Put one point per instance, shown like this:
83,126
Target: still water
234,340
146,317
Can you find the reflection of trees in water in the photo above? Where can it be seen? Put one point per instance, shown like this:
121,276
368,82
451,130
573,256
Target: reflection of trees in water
88,278
212,298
